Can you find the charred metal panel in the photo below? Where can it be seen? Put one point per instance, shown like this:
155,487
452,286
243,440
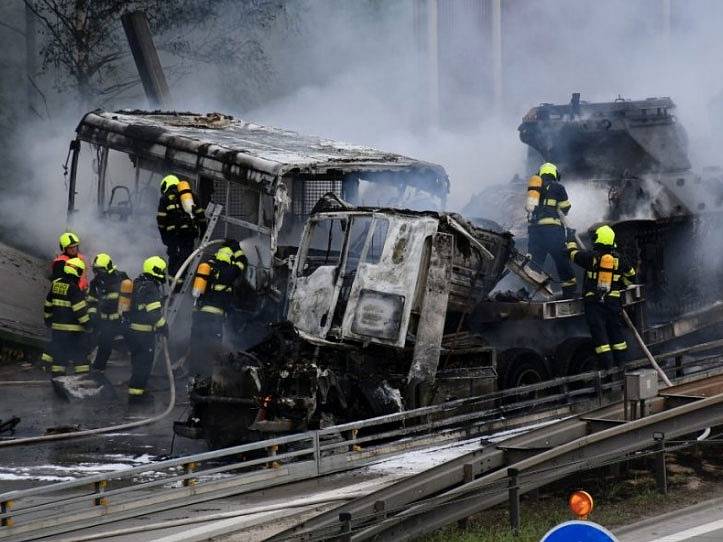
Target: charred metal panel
220,146
316,277
312,301
608,139
395,275
430,329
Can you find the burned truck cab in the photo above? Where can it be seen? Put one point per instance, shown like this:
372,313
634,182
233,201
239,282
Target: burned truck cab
376,321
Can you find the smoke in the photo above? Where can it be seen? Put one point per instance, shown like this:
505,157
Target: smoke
357,71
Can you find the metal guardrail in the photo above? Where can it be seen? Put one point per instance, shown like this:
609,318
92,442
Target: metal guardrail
103,498
483,478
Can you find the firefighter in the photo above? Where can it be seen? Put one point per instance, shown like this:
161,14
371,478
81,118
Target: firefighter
238,258
145,322
66,314
546,231
103,298
178,228
69,248
212,305
606,272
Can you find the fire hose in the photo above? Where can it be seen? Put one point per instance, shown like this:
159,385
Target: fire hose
645,350
112,428
177,277
138,423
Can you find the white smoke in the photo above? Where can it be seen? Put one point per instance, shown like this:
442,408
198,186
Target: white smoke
353,70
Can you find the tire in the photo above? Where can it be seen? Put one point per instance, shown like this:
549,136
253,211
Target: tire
582,361
521,368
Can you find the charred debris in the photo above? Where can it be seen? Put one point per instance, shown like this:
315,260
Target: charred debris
376,322
666,214
372,308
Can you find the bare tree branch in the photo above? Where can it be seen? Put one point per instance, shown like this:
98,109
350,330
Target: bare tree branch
9,27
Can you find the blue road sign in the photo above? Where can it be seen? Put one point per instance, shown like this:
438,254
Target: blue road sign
579,531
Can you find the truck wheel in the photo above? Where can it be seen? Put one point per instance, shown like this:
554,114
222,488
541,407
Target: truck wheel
585,365
582,361
521,369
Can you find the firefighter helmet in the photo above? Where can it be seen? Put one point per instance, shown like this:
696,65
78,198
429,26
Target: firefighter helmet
604,235
103,261
155,266
169,181
68,239
548,169
74,266
224,254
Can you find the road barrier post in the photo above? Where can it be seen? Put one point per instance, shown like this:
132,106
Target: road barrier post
345,519
514,500
5,508
99,488
679,366
188,468
380,509
661,475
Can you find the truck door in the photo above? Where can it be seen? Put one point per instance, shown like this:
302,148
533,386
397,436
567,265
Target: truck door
382,293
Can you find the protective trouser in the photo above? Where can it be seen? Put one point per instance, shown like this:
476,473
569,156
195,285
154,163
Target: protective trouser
550,239
67,353
206,334
179,247
106,332
606,329
142,346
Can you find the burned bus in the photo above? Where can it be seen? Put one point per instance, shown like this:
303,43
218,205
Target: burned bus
267,181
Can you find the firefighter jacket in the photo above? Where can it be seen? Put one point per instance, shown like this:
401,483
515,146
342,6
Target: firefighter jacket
146,313
218,296
239,259
553,201
103,295
56,269
66,308
173,220
591,261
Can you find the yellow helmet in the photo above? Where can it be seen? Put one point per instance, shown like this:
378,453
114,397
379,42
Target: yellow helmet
548,169
103,261
604,235
74,266
224,254
155,266
68,239
169,181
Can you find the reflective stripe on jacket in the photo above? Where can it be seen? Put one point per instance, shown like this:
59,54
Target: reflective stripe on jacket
56,269
146,314
553,202
103,294
589,260
66,308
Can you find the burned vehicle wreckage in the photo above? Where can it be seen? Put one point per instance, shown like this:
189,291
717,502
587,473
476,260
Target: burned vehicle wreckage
354,348
666,215
347,287
376,303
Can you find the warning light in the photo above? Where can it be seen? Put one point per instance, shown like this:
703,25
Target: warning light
581,504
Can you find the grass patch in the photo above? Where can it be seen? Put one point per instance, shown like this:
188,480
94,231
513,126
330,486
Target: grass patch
619,500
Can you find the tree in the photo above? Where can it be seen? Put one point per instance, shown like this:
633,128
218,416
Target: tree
83,43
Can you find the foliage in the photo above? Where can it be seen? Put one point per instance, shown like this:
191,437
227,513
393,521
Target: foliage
83,43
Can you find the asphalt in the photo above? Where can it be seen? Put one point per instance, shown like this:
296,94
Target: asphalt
702,522
39,408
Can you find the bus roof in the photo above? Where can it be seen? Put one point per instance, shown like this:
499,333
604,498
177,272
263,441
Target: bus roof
222,146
